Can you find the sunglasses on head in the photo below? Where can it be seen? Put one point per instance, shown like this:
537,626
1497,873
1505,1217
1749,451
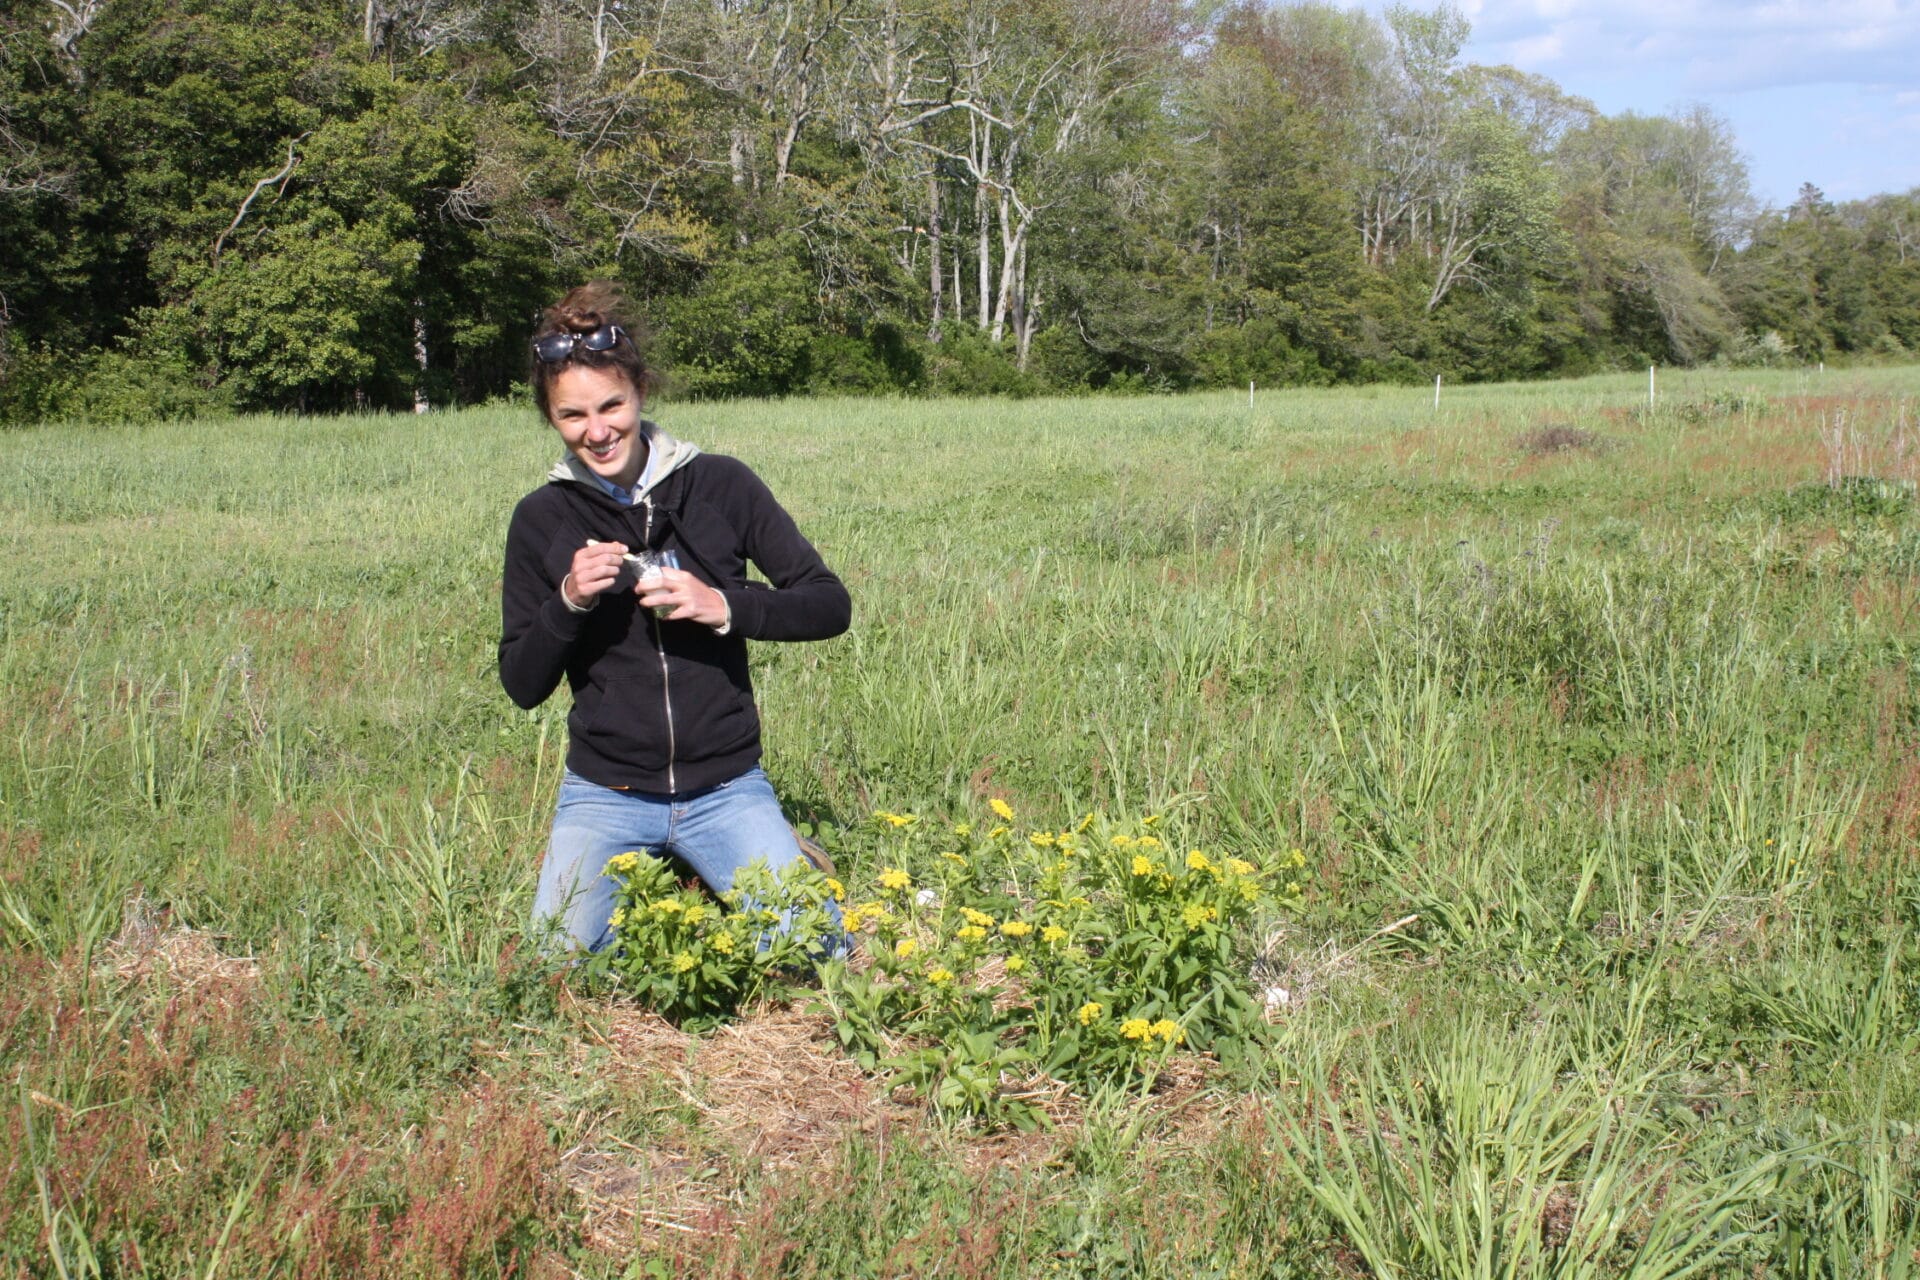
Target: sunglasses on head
555,347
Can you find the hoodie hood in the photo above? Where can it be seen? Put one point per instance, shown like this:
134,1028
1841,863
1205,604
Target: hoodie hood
665,455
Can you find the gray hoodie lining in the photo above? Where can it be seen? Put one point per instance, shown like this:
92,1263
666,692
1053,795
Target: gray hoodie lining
673,454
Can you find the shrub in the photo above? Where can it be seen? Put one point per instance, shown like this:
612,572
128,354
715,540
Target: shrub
966,363
1258,351
745,331
104,387
880,361
1765,350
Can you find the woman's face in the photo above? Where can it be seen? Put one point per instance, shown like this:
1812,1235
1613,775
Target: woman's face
597,412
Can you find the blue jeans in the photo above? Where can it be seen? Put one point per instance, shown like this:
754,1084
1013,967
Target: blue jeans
716,832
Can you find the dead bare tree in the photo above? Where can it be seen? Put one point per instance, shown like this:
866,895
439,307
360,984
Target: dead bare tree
279,179
71,21
393,26
611,85
996,95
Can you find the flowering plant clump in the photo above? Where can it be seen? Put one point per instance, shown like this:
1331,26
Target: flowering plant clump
695,958
1090,954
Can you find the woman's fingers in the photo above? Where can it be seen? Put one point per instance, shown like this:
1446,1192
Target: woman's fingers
595,566
682,595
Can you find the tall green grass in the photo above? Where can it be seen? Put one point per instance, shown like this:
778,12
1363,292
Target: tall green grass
1630,731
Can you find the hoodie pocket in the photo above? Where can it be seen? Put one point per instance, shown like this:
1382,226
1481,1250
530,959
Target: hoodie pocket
718,720
628,725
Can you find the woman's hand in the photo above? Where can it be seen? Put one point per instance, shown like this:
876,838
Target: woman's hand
595,566
677,594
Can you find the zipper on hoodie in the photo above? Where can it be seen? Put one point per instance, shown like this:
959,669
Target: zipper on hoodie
660,646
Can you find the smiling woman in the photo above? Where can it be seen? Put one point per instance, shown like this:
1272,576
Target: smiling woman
664,738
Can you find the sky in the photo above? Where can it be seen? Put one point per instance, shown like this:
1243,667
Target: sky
1821,93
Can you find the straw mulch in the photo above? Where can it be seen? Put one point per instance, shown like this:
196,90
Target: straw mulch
771,1092
774,1094
150,946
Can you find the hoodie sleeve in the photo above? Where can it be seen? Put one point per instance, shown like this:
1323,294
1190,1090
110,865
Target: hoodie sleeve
808,601
537,630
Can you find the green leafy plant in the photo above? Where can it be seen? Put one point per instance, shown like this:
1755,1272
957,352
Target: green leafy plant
1090,954
696,958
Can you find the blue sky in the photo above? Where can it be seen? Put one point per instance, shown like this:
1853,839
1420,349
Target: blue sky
1822,93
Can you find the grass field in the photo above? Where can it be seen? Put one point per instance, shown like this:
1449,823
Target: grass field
1597,726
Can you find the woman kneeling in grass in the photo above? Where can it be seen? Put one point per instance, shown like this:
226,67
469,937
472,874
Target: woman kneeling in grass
626,573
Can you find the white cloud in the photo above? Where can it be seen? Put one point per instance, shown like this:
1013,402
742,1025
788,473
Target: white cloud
1707,45
1534,53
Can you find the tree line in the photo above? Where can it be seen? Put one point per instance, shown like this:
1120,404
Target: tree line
323,204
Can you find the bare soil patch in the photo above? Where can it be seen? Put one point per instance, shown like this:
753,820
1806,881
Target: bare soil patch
1560,437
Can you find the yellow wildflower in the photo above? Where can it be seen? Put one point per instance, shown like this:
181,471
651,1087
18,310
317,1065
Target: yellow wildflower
1299,858
1016,963
996,833
1084,823
905,947
971,933
963,829
1142,866
1016,928
624,864
875,911
1170,1031
895,879
695,914
1293,886
1198,861
1150,819
1040,839
683,961
1194,915
980,918
896,819
723,943
1121,842
955,858
1136,1029
1149,842
939,975
853,921
1241,867
1001,808
1077,901
1091,1012
667,907
618,918
835,888
1053,933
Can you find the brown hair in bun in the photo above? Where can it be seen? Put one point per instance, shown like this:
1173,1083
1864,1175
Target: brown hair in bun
588,307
